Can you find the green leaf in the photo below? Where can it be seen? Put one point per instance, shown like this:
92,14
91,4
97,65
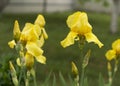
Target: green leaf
47,80
86,59
71,80
86,82
62,79
54,80
105,3
101,80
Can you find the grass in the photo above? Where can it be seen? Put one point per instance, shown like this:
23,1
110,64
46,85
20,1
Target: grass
58,58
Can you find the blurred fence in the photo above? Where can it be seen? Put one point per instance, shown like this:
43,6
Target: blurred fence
23,6
36,6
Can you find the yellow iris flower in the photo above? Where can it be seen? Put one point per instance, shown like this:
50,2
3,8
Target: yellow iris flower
114,52
116,46
79,26
32,38
111,54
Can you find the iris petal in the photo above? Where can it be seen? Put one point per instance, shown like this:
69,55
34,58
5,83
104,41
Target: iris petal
69,40
44,33
116,46
90,37
33,49
29,60
111,54
40,20
41,59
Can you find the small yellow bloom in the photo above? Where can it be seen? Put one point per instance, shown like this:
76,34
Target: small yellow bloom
116,46
115,51
74,69
79,26
16,30
12,44
110,55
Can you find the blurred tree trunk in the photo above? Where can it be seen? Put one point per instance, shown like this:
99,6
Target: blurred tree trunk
44,6
114,16
3,3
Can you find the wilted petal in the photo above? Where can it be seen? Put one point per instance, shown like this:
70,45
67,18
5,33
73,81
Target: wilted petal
110,54
41,59
33,49
12,44
90,37
69,40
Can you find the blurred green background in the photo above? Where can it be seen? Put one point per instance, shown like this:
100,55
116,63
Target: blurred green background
59,58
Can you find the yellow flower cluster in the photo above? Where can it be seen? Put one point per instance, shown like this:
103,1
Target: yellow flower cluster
79,27
114,52
32,39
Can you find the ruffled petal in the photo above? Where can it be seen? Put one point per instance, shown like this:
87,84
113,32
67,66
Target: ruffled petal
40,20
27,27
90,37
33,49
41,59
110,54
29,35
69,40
73,20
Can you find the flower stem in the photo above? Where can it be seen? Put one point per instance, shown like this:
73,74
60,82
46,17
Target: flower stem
82,77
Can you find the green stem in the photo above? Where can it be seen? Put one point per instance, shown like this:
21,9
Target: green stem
27,79
111,77
82,77
114,72
34,76
35,84
20,77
